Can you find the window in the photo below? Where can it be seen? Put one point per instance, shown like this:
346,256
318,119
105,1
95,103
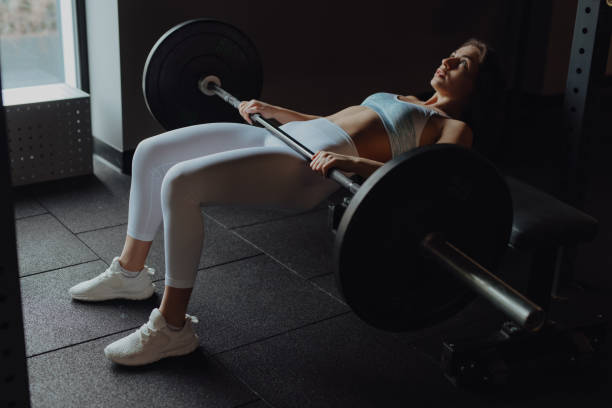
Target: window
37,43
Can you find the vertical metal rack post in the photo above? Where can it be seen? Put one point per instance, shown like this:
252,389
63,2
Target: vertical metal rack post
14,386
585,78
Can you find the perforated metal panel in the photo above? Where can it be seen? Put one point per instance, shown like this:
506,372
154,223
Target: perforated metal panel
49,140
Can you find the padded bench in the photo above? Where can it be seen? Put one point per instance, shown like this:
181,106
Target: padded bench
543,226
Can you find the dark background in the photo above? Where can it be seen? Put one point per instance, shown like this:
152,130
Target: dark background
320,57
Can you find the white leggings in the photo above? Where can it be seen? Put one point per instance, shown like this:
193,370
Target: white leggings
175,172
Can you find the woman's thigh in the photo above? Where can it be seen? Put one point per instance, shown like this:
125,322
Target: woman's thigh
166,149
269,176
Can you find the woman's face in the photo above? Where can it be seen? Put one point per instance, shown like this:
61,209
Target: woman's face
456,75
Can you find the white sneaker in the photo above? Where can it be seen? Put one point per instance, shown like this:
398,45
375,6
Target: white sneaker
112,284
154,341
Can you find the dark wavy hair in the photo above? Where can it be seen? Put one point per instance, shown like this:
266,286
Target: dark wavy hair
487,101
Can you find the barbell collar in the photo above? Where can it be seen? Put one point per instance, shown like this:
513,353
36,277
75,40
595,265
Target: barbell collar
482,281
204,84
334,174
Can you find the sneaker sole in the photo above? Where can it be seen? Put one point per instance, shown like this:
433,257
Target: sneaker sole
118,295
187,349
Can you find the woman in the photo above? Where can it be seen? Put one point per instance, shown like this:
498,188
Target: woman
228,163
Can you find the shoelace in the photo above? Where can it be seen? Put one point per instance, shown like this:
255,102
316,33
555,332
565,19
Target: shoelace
144,332
108,274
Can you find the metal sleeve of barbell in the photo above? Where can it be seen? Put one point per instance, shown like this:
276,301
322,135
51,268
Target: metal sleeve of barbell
477,277
334,174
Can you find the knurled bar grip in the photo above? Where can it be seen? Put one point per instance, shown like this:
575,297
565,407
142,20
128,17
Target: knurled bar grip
334,174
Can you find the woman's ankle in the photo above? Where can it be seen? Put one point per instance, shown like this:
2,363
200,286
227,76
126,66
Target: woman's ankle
134,253
176,321
131,266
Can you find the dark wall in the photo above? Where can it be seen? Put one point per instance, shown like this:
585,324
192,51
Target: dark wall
324,56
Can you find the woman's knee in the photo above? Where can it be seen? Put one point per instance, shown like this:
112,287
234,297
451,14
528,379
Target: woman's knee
178,187
147,155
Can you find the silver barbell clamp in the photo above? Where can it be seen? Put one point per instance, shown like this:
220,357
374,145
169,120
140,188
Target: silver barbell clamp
203,84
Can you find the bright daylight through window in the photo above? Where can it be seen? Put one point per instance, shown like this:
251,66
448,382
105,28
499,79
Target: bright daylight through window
37,43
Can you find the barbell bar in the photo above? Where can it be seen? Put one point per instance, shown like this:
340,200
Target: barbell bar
451,221
484,282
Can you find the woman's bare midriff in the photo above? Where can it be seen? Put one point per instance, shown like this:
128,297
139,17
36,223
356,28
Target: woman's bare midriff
366,129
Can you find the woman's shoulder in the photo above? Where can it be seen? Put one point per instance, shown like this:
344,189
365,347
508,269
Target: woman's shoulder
454,131
439,126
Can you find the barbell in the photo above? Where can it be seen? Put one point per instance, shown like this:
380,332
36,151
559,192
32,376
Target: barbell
418,239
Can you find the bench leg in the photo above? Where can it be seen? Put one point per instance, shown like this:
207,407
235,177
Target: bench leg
544,276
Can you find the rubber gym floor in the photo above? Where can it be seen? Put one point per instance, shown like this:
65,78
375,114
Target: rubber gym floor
273,329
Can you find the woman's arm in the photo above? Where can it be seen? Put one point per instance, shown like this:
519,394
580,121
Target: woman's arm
456,132
322,161
365,167
282,115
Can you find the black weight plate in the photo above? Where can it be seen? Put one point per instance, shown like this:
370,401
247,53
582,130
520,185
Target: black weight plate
439,188
189,52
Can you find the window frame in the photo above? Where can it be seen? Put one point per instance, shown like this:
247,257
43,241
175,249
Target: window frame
81,44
